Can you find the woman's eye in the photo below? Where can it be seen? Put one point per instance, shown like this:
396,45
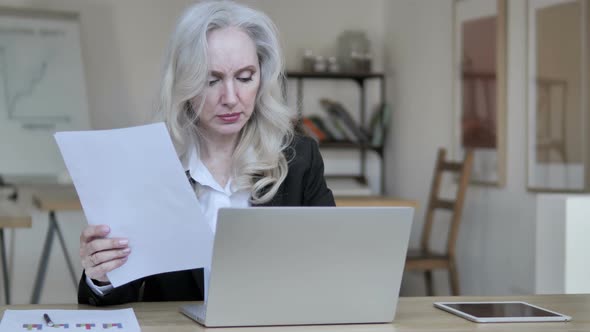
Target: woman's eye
245,79
213,81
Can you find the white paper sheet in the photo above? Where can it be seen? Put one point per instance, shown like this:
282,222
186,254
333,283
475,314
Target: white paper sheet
122,320
131,179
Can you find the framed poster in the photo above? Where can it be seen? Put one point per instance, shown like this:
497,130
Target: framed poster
479,84
42,90
557,96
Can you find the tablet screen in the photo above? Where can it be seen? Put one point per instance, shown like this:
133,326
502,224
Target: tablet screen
510,309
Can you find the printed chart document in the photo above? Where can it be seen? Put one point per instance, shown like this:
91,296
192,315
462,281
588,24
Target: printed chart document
131,179
122,320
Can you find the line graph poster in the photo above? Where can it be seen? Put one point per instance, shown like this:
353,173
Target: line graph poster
42,89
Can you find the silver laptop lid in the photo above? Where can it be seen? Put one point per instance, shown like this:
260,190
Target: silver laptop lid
320,265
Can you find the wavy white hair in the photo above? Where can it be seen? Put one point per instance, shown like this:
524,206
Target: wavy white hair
259,164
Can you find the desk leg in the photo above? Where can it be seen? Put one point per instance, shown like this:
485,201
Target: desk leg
66,255
53,228
44,260
4,267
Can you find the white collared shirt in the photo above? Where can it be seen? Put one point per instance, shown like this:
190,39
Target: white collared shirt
210,195
209,192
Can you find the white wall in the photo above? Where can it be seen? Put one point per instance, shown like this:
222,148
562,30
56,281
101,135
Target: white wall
561,244
496,242
123,44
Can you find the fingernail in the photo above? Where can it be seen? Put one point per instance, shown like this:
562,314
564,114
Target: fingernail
105,228
126,250
123,242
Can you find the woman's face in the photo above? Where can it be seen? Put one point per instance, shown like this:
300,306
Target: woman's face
234,78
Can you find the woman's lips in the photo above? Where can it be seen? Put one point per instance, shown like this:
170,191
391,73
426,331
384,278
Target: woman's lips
229,118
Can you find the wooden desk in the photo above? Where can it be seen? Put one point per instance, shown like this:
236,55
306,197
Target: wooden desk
56,198
413,314
373,201
11,216
53,199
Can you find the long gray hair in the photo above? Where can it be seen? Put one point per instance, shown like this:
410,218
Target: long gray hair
259,164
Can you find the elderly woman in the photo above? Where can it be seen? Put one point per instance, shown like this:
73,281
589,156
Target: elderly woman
221,99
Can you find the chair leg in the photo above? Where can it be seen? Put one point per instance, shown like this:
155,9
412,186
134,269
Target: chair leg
428,282
454,279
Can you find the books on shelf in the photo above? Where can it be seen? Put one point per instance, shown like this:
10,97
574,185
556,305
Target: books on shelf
337,134
313,130
338,125
343,122
322,131
379,124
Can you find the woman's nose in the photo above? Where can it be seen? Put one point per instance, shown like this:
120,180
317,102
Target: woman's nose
230,96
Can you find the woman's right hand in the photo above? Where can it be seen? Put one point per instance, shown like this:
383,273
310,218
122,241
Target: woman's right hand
99,254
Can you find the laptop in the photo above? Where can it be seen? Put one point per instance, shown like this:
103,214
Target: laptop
305,265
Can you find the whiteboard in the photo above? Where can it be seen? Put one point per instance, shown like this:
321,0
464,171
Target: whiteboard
42,89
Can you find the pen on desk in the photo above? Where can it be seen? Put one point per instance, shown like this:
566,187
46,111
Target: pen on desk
47,320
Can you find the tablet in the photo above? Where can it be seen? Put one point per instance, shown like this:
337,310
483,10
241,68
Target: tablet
501,312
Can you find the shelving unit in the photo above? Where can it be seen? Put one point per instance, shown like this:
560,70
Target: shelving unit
360,79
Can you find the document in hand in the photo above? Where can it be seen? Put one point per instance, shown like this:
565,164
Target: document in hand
122,320
132,180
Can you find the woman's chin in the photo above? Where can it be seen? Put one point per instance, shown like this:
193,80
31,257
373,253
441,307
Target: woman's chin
228,129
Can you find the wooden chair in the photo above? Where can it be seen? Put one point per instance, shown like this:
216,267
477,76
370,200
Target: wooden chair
424,259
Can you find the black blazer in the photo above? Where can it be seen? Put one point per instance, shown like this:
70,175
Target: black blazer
304,186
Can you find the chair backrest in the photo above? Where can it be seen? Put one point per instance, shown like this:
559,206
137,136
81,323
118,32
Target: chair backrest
463,170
